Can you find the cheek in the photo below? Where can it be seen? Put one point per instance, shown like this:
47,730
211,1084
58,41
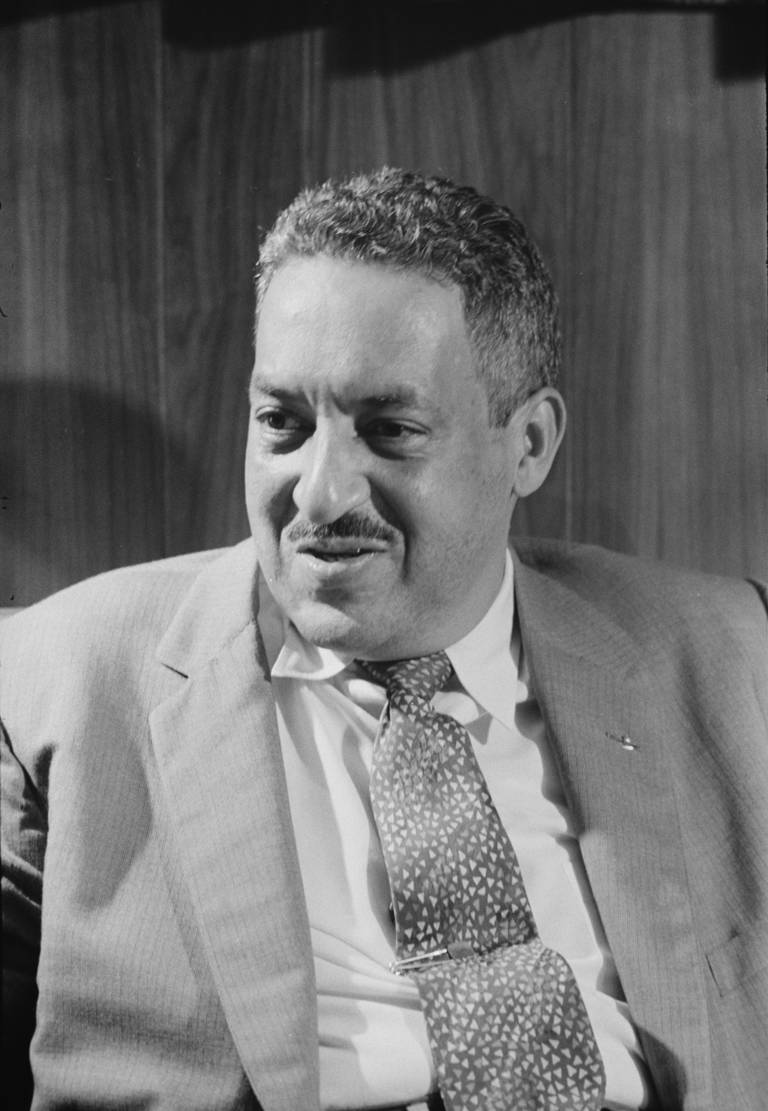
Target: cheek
266,495
476,488
474,510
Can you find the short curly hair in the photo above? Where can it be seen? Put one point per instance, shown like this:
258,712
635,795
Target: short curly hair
452,234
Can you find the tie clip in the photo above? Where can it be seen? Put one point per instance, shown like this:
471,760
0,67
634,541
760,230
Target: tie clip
457,950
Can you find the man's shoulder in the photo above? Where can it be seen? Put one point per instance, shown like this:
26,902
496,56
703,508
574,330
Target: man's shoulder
122,588
107,613
627,585
582,563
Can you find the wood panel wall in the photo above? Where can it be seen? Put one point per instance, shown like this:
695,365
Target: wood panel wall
143,154
82,435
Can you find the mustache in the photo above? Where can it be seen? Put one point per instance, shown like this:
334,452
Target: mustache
352,526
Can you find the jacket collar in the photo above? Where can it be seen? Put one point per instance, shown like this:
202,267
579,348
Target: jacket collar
219,605
611,723
218,752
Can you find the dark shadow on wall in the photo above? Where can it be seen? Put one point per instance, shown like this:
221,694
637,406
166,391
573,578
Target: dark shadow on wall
740,42
82,485
391,35
394,35
390,38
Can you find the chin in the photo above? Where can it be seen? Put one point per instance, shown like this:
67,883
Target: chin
363,638
326,627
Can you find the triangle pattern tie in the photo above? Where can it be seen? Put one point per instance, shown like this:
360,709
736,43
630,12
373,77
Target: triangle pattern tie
505,1018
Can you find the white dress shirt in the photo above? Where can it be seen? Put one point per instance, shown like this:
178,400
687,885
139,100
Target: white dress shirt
373,1042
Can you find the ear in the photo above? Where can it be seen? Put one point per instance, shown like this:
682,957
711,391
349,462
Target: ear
539,426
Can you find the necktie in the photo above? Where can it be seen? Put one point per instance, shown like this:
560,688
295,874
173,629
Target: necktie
505,1018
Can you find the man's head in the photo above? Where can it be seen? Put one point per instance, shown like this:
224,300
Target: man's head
455,236
401,402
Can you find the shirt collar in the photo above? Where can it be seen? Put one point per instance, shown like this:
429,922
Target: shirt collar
485,660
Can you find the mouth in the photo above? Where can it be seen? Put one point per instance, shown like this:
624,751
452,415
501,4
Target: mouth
339,551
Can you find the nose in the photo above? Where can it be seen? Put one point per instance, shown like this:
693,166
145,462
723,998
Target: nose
332,481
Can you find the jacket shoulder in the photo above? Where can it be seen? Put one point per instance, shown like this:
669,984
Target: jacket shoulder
118,615
639,591
104,597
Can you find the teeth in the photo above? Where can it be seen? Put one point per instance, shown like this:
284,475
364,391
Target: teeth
351,554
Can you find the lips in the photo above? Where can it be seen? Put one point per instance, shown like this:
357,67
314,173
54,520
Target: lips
330,556
331,552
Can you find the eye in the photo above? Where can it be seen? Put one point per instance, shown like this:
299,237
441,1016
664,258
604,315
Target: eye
390,429
280,427
278,421
396,438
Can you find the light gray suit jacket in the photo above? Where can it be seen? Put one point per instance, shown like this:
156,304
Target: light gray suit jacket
142,773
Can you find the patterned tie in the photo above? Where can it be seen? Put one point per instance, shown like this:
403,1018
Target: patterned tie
506,1021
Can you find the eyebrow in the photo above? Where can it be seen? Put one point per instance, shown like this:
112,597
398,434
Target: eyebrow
405,397
260,385
402,397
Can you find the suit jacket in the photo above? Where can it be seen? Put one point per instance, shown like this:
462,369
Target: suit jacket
142,769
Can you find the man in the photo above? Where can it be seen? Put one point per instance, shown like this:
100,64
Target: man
250,861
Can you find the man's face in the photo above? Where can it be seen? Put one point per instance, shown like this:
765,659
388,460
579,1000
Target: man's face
379,496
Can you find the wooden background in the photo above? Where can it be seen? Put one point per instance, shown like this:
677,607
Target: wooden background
143,150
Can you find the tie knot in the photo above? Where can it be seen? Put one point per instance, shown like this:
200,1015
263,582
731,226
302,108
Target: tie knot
422,676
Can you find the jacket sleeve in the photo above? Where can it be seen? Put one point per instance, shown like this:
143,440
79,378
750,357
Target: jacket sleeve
23,816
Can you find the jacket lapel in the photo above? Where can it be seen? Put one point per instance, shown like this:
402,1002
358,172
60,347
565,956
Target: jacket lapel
219,756
594,691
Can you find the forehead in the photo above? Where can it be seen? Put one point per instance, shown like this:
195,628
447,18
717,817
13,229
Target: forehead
345,321
329,270
322,290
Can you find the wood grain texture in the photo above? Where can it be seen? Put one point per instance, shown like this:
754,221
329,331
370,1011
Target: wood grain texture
81,440
141,171
234,153
666,304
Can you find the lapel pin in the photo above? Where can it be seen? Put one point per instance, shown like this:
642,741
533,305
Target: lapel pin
624,740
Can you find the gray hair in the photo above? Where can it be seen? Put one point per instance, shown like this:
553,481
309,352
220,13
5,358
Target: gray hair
449,233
